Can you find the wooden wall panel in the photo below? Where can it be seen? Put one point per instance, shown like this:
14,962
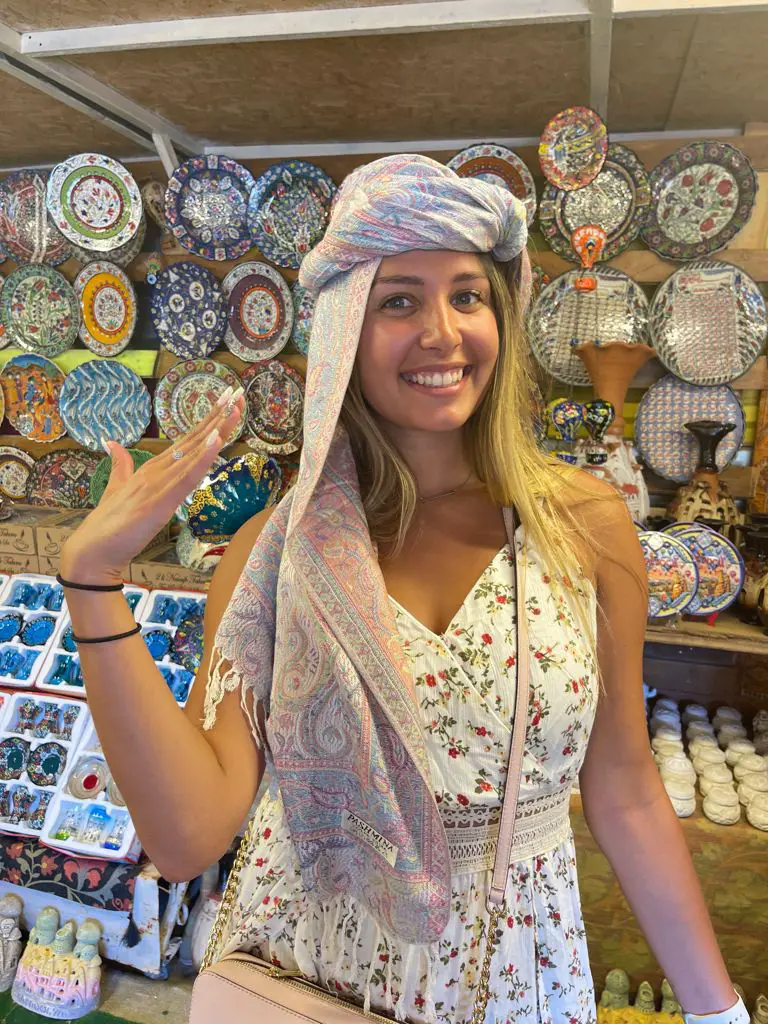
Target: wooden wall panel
32,15
474,84
35,128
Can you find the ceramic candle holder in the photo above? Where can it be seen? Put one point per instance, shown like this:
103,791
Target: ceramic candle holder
729,733
757,811
703,742
699,729
752,785
727,716
738,749
750,763
666,704
721,805
715,775
695,713
682,795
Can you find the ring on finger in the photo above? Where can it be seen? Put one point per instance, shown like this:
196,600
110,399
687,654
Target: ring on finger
177,454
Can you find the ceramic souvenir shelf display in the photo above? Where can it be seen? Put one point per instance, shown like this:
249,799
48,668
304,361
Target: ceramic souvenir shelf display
259,311
706,496
663,443
88,815
498,166
25,225
701,197
708,322
30,613
172,627
617,200
673,575
60,672
573,148
104,401
610,315
206,207
37,744
288,211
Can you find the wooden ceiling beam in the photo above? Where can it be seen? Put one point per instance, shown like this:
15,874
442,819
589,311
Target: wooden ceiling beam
389,19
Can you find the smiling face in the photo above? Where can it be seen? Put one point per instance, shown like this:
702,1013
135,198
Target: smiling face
429,342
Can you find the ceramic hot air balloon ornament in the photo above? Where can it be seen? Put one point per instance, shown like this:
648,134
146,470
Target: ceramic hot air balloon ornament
598,416
566,416
588,241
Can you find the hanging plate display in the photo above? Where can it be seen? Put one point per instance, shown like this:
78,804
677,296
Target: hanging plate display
672,574
259,313
615,311
288,211
721,571
188,310
206,207
188,392
122,256
303,308
499,166
15,466
104,401
39,310
274,397
573,147
702,196
617,200
107,307
662,441
25,226
94,201
62,478
31,390
708,322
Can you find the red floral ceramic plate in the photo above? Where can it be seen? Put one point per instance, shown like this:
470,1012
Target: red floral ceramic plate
573,148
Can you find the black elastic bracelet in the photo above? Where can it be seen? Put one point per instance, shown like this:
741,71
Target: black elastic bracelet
107,588
106,639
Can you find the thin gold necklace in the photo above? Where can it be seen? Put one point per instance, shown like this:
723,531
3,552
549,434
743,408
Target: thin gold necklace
445,494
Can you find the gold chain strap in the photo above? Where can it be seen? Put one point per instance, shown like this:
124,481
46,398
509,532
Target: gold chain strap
230,894
481,997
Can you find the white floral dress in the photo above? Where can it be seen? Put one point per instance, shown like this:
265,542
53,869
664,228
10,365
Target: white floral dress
465,682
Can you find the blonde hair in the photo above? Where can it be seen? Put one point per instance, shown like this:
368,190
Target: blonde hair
500,443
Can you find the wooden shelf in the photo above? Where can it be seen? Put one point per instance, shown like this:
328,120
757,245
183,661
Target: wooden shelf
727,634
646,267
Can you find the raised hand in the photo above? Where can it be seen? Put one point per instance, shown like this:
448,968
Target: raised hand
138,503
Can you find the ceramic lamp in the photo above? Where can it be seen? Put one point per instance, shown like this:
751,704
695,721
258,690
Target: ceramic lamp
706,495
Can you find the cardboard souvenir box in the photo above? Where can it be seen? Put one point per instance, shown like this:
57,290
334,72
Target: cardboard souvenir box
160,567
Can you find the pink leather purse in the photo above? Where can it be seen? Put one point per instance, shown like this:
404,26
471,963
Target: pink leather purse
242,989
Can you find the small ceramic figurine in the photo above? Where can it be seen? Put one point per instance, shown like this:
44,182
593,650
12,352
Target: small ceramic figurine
645,1000
616,992
669,1003
11,907
59,975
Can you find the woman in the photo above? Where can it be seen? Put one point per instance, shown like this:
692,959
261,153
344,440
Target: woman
361,640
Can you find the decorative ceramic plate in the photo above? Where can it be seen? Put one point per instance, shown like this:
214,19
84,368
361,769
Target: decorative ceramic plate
288,211
573,147
662,441
188,310
206,207
188,392
702,196
675,529
672,574
122,256
104,401
564,317
260,312
39,310
31,391
15,466
107,307
25,226
101,474
94,201
274,395
617,201
498,166
303,309
62,479
721,571
708,322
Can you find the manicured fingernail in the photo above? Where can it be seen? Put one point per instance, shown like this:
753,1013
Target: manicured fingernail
237,394
212,439
225,397
107,446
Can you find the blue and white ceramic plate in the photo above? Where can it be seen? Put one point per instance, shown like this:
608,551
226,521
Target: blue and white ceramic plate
664,444
288,211
303,309
672,574
10,625
104,401
206,207
189,311
721,571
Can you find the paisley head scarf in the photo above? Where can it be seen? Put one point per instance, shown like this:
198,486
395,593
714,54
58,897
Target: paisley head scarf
310,634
